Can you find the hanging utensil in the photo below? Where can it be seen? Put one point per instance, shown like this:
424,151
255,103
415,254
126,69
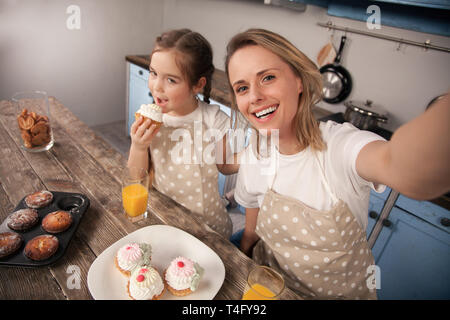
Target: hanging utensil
337,82
326,55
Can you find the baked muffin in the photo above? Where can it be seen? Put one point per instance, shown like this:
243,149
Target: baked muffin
41,247
183,276
57,221
131,256
152,112
22,219
10,242
39,199
145,283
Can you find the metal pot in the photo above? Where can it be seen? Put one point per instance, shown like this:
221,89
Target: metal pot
364,115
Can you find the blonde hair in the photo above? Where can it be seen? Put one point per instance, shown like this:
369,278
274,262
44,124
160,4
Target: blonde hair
306,126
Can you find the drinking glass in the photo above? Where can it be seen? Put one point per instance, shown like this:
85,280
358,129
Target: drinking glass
33,120
263,283
135,193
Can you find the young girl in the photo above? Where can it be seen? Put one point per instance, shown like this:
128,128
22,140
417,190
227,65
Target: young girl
308,219
180,68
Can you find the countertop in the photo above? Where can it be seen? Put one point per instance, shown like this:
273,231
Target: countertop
82,162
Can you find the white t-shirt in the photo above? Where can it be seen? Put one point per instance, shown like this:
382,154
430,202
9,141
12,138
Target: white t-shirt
212,117
216,124
298,175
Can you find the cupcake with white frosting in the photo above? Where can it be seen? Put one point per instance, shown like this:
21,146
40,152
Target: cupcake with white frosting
183,276
145,283
131,256
152,112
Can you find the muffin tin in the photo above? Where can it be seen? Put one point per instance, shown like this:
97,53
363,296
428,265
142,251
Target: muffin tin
75,203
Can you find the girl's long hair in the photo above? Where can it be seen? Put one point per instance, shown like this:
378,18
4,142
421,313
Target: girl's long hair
194,55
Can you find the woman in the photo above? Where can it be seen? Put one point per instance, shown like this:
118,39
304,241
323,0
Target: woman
308,219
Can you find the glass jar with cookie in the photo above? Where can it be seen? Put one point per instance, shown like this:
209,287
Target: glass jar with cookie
33,120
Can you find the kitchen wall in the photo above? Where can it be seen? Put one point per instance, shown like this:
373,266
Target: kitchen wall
403,81
85,68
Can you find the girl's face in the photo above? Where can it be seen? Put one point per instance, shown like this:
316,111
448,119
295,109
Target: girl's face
266,89
168,85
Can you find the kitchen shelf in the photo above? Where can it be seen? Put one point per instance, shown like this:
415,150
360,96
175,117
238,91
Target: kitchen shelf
427,44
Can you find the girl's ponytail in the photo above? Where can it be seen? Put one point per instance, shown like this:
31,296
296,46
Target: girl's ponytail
208,85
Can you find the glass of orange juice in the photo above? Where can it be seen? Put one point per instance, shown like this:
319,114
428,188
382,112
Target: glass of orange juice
263,283
135,193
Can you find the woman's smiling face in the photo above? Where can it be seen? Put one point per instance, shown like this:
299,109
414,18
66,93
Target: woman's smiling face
266,89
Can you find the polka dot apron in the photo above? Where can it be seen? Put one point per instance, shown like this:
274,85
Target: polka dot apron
322,254
185,177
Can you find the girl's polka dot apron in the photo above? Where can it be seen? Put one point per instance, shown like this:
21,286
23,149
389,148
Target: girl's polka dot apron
321,254
188,179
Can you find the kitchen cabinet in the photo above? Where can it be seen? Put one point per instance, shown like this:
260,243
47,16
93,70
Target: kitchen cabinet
429,16
414,258
440,4
412,249
138,92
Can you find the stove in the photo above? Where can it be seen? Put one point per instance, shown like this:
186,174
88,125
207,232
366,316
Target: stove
339,118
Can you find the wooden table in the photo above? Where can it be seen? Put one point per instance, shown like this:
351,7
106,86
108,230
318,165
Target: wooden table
82,162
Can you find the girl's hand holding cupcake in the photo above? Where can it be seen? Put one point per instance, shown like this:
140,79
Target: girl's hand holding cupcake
142,133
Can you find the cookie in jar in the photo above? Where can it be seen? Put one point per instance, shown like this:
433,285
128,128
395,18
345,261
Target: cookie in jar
33,120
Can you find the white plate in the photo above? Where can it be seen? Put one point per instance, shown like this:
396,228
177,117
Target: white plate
105,282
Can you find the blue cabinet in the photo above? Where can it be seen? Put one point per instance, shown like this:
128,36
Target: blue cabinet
428,211
414,258
138,92
412,249
430,16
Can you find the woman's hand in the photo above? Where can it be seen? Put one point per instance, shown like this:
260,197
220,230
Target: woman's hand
249,237
248,241
141,134
415,161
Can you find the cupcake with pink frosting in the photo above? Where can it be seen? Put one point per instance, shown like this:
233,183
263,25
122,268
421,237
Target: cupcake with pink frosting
131,256
183,276
145,283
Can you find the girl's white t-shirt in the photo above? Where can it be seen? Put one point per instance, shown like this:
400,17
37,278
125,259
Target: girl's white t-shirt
216,124
210,114
298,176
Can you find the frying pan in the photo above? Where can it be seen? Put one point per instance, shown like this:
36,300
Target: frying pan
337,82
